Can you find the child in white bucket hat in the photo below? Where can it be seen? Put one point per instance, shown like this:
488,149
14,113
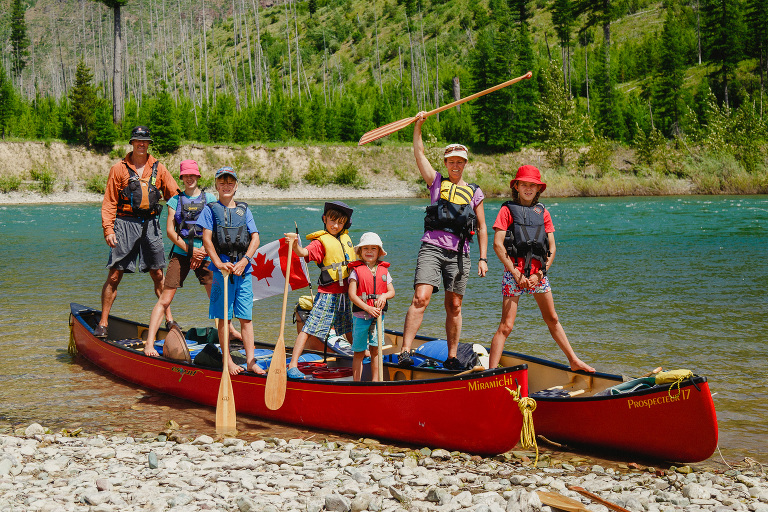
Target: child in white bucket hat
370,285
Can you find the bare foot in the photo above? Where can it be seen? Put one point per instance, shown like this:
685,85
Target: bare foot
255,368
578,364
234,369
149,350
234,334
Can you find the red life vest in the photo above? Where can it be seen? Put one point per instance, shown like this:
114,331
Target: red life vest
369,288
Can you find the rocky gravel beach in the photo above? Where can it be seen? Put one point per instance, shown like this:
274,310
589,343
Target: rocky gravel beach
43,471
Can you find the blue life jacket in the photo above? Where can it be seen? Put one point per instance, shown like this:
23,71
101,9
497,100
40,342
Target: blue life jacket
231,236
188,210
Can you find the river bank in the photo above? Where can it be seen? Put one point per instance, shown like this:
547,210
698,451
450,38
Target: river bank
43,471
54,172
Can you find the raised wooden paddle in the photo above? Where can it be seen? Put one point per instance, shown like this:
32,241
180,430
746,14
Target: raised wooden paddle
226,418
277,378
380,356
390,128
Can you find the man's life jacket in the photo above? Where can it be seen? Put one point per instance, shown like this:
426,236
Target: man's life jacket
370,286
339,251
231,236
453,213
526,236
140,198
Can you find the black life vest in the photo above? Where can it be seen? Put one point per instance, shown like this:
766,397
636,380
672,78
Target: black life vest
231,236
453,212
140,198
526,236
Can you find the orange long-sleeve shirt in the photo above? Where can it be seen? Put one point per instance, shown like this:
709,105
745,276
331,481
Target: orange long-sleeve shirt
118,180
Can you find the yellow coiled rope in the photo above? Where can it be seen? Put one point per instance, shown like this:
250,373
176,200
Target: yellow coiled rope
527,435
72,347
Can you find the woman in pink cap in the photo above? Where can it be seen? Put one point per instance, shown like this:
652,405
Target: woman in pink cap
188,252
525,244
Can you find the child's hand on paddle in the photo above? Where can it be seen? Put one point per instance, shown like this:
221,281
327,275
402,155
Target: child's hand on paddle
380,303
374,312
239,267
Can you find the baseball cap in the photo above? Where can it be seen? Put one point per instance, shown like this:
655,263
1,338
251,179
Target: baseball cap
224,171
456,150
189,167
140,133
371,238
530,174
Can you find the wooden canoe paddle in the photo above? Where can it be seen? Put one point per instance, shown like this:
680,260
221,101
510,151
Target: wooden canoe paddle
595,497
226,418
277,378
390,128
561,502
380,355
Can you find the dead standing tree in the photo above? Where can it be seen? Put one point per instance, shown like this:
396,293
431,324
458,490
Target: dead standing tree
118,91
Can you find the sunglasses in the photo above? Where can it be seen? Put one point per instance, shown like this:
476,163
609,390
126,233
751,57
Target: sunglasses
456,147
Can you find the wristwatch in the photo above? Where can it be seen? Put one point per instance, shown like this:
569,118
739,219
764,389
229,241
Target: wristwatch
483,259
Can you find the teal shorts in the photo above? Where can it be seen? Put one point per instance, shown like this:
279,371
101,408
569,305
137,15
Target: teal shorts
364,333
239,295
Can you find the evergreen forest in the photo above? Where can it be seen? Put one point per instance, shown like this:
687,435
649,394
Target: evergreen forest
678,84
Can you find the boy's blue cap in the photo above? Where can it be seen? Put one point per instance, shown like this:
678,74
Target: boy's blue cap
224,171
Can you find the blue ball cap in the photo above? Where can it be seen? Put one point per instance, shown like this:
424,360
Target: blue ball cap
224,171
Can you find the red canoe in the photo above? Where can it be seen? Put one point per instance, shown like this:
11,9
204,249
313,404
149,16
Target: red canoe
659,422
428,408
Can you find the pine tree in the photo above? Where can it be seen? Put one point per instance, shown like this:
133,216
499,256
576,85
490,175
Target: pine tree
104,132
562,128
757,25
723,34
7,99
563,19
601,13
83,104
19,40
670,76
166,134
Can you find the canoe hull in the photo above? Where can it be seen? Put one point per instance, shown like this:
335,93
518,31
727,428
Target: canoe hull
472,413
660,423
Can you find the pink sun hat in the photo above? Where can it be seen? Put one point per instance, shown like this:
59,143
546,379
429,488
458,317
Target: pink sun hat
189,167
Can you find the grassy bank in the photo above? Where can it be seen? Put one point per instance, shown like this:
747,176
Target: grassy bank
48,167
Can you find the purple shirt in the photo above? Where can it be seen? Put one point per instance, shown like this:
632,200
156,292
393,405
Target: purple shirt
441,238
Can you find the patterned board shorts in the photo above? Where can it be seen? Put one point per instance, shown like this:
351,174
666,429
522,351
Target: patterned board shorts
330,310
509,287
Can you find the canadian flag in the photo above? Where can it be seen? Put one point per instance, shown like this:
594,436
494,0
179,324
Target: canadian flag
268,270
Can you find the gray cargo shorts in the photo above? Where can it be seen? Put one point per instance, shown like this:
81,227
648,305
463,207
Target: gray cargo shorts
435,264
137,239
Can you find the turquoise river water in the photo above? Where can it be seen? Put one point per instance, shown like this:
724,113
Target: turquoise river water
678,282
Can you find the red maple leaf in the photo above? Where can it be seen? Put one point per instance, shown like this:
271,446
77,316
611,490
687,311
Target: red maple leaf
262,267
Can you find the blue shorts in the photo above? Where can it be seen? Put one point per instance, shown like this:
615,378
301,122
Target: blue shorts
509,287
330,310
239,294
365,333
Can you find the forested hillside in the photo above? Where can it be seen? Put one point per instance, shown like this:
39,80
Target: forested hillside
675,81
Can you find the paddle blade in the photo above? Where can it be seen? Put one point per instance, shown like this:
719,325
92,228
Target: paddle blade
385,130
554,499
226,419
277,378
